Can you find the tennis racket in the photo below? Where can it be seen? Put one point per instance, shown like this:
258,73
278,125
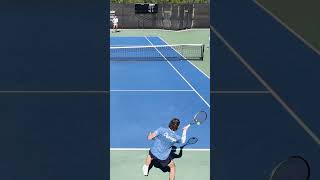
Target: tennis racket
191,140
294,168
199,118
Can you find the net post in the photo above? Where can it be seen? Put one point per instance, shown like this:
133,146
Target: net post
202,52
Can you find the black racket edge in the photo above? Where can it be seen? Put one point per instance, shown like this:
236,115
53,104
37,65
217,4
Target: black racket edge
201,112
189,143
196,140
194,118
306,163
291,157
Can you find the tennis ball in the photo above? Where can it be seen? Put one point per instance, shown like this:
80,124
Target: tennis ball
198,123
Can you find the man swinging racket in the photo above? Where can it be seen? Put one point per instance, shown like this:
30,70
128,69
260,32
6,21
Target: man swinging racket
165,138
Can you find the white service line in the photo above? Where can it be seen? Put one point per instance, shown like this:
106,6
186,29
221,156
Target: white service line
146,149
185,58
180,74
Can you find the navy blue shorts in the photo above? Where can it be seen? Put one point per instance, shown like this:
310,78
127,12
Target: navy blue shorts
163,163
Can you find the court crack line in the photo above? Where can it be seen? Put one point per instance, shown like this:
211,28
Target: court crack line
268,87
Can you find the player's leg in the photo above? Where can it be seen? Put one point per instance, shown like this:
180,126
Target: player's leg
148,160
145,167
172,167
114,28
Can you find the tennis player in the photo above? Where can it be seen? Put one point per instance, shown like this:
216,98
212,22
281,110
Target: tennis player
164,139
115,21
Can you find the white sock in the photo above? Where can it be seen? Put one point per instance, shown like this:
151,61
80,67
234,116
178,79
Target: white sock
145,169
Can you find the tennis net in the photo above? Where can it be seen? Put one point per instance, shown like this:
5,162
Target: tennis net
158,52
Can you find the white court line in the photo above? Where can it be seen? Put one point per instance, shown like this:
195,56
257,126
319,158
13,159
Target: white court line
146,149
185,58
287,27
180,75
150,90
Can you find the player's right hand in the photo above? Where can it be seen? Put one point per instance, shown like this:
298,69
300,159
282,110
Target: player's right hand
150,134
186,127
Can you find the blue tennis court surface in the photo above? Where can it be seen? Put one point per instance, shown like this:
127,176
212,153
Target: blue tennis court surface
148,94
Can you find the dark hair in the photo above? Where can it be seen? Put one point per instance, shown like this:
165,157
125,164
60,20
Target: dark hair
174,124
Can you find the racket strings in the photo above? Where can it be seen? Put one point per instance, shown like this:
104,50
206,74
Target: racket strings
200,117
192,140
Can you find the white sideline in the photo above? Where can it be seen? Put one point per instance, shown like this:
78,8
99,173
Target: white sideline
185,58
180,75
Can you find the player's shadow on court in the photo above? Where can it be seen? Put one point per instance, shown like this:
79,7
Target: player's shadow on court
173,154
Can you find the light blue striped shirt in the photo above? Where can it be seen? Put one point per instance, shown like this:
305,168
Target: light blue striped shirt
164,140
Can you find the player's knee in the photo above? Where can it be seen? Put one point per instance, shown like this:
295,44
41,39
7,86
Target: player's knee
172,165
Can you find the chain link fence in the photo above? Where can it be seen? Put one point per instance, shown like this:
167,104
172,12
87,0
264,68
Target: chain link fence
169,16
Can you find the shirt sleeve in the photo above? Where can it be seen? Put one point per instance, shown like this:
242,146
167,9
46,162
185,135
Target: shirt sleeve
158,131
